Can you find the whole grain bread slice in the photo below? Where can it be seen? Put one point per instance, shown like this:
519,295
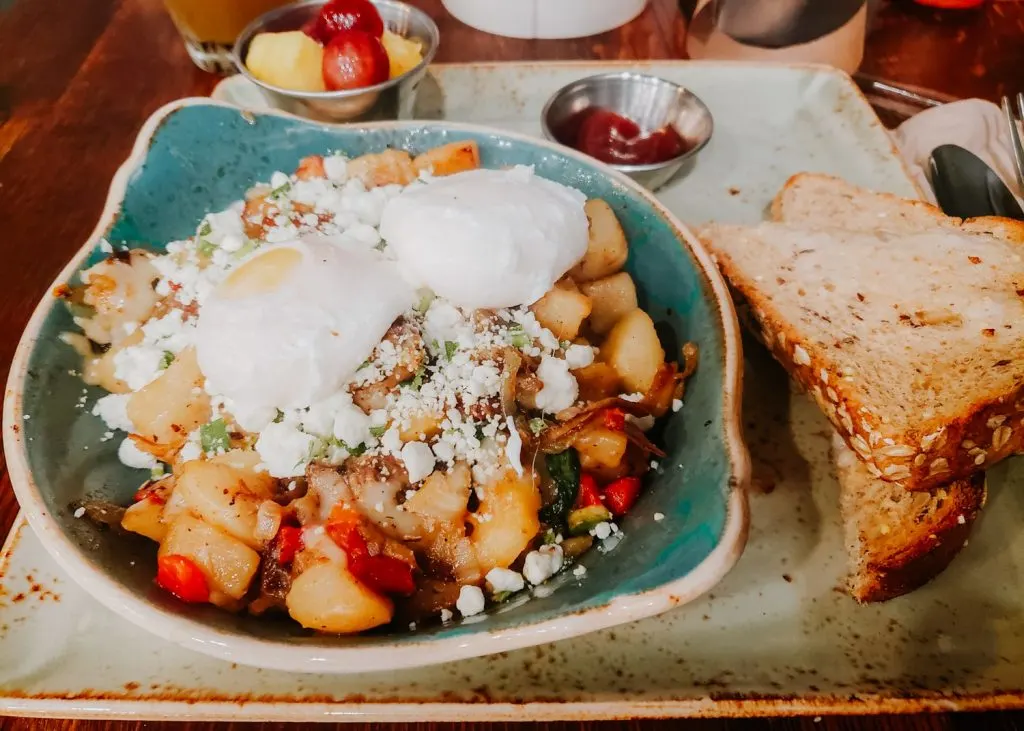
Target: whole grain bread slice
898,540
911,343
814,199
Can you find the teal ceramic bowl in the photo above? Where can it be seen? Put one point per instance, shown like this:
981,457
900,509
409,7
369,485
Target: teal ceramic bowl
195,156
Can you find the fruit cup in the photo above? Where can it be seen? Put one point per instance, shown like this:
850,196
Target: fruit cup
392,98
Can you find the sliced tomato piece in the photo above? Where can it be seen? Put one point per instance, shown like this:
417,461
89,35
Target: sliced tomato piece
289,543
383,574
615,419
180,576
588,495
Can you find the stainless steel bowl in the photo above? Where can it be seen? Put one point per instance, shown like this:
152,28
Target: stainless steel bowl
649,101
393,99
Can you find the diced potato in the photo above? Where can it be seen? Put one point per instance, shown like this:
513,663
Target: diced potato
290,60
327,598
562,311
601,446
610,299
567,284
166,410
633,349
383,168
422,426
218,494
598,381
511,503
455,157
228,564
246,463
404,54
145,518
607,249
443,496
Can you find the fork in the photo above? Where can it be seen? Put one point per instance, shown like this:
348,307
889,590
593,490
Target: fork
1015,144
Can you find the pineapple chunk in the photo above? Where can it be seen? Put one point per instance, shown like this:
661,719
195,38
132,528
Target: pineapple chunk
403,54
289,60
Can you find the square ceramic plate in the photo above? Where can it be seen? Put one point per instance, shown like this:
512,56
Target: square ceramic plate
775,636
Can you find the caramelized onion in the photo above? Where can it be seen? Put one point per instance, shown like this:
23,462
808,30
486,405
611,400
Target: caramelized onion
560,437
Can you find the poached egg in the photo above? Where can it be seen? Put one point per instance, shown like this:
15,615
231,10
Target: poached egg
487,238
290,326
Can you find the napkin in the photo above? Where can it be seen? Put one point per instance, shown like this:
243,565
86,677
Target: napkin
974,124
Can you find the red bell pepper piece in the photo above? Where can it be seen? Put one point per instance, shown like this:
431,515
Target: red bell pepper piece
383,574
621,495
289,543
615,419
149,491
343,528
181,577
588,494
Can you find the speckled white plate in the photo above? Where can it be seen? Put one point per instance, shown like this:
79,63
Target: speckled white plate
777,635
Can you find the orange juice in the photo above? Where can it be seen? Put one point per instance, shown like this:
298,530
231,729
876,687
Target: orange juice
216,21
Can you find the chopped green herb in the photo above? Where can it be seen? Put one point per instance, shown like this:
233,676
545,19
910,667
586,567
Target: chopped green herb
537,425
416,382
378,431
214,437
564,471
280,417
426,297
157,472
364,364
205,248
449,349
565,344
518,336
280,190
354,451
206,229
550,538
166,360
501,596
381,246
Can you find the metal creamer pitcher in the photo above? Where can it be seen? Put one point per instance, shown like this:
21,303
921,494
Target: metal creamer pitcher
774,23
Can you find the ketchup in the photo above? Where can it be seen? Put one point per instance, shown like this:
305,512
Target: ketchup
614,139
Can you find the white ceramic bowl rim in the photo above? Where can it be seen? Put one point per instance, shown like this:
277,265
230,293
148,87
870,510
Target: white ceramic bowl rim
309,658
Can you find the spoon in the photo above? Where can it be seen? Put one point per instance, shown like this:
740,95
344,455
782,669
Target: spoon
966,187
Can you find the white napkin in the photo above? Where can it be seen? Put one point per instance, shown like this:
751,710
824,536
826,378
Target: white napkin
974,124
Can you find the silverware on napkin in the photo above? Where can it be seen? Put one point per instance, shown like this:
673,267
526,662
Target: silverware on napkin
966,187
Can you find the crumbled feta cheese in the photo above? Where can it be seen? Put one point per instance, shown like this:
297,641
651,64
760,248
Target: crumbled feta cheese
632,397
601,531
658,517
106,248
560,388
502,580
446,615
336,168
471,601
654,464
579,356
113,409
79,512
392,441
514,446
138,365
579,571
676,404
132,456
542,564
284,449
418,459
643,423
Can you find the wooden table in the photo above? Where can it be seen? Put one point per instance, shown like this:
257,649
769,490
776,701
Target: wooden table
78,77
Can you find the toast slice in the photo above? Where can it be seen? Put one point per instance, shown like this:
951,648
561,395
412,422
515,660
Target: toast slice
897,540
911,343
825,201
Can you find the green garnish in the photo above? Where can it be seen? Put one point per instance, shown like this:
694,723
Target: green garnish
550,538
206,229
564,471
378,431
280,417
205,248
213,437
247,248
537,425
353,451
157,472
281,190
565,344
518,337
501,596
426,297
416,382
166,360
449,349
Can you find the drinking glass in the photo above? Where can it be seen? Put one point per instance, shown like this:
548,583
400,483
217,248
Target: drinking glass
209,27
